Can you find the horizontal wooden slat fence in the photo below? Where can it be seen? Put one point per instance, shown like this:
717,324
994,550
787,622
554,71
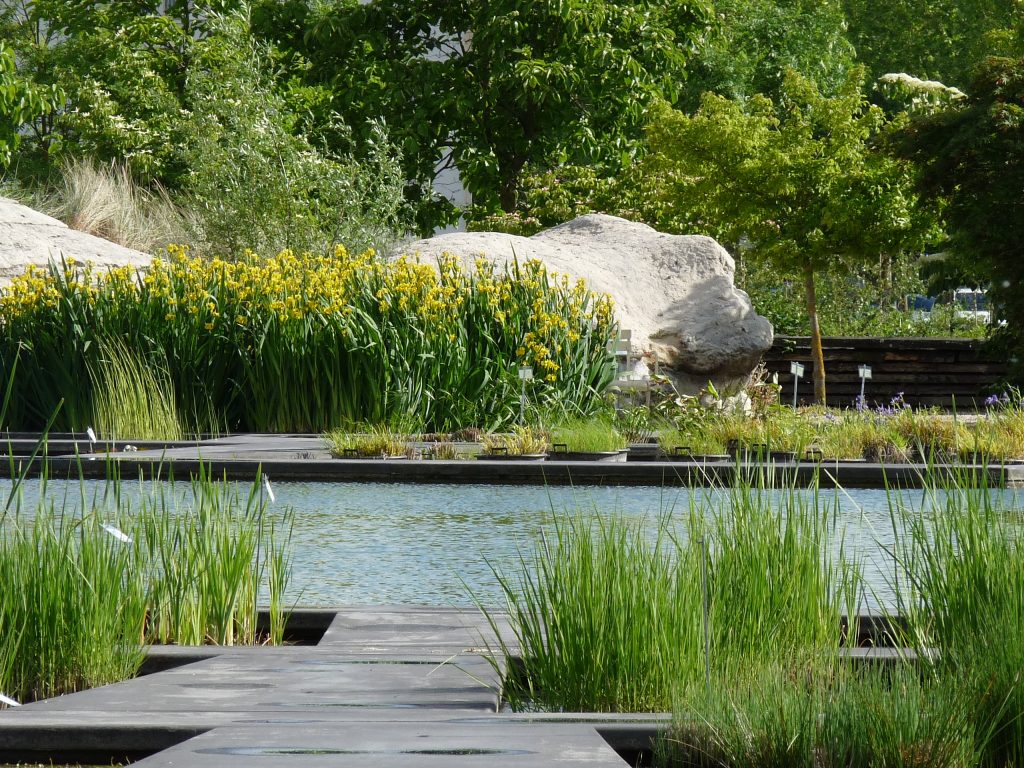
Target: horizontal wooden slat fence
929,372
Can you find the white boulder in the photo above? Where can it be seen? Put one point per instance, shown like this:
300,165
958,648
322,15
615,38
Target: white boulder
675,292
30,237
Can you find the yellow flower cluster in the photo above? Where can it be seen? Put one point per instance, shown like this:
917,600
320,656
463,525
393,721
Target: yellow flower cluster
539,317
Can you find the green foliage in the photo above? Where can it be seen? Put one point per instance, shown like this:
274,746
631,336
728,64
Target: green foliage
972,155
961,587
372,442
492,86
942,40
823,713
587,436
304,344
757,41
609,616
521,441
868,298
20,102
184,98
88,587
797,178
130,398
73,610
254,182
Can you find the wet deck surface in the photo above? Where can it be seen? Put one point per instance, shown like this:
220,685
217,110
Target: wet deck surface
396,686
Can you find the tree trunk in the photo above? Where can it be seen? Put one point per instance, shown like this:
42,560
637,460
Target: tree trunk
817,356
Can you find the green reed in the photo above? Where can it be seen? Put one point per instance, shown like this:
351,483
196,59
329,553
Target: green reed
73,608
960,584
89,581
608,616
305,344
132,398
822,713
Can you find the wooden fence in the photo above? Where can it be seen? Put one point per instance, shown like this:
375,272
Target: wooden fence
929,372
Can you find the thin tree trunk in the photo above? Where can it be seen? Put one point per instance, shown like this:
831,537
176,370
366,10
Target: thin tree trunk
817,356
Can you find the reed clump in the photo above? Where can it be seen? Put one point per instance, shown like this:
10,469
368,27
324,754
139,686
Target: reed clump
588,436
87,584
611,617
961,589
369,442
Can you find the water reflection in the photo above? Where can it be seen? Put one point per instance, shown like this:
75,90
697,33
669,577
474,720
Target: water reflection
363,543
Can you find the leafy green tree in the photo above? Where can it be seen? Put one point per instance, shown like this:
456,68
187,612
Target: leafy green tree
972,157
797,183
183,95
755,42
20,103
256,182
941,40
491,87
122,68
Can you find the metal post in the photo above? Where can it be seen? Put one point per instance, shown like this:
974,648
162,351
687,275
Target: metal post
864,371
797,369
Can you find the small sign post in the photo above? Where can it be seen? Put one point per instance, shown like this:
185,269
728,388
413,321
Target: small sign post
864,371
797,369
525,375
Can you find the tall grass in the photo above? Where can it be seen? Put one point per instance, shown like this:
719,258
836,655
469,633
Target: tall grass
308,344
73,606
609,616
961,588
823,715
588,436
104,200
88,582
207,560
132,399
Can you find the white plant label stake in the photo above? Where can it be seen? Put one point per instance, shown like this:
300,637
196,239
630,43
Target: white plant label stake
9,701
91,435
797,369
525,375
864,371
267,487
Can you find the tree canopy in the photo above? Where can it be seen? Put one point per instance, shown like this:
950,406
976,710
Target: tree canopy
491,87
797,182
971,156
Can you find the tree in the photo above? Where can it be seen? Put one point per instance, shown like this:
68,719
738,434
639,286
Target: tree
795,182
20,103
182,94
971,156
757,41
940,39
492,86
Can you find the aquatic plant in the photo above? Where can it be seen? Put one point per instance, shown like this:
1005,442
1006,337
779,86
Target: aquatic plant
87,582
303,343
606,616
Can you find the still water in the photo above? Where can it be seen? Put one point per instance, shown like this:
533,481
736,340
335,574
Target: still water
373,543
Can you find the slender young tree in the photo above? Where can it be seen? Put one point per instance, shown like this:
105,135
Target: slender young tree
797,181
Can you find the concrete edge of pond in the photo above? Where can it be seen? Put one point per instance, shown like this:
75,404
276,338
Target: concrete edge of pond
302,458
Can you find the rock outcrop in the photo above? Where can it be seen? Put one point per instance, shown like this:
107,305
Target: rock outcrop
30,237
674,292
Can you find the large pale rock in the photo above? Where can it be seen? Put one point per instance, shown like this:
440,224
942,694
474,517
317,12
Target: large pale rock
675,292
30,237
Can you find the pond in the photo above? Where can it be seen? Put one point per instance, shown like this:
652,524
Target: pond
375,543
